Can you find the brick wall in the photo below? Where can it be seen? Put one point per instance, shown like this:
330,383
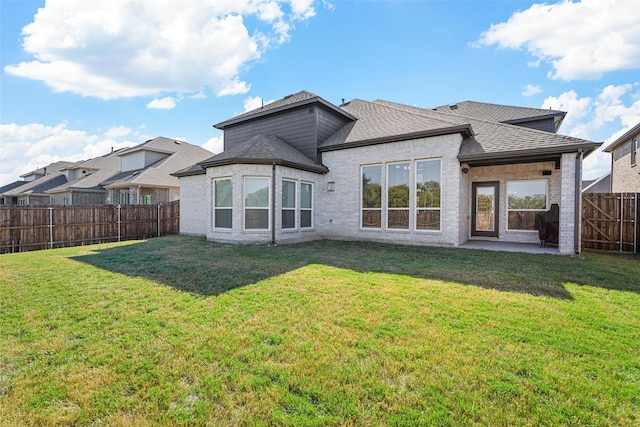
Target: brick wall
625,178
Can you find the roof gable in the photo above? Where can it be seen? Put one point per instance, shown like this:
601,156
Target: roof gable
296,100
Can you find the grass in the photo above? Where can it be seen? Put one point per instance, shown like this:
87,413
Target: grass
179,331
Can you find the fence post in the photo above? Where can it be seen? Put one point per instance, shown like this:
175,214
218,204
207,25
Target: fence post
50,227
159,219
635,225
621,222
119,223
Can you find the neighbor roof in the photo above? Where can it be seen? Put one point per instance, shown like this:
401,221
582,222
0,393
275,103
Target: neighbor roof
627,135
600,185
51,168
262,149
38,186
179,155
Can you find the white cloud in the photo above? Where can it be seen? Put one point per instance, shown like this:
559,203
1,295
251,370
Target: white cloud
615,109
118,131
580,40
166,103
28,147
253,102
531,90
215,144
116,48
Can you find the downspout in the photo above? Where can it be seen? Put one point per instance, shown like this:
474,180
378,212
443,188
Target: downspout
578,202
273,204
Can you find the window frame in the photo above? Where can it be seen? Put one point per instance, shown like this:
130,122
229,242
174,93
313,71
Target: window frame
216,207
268,208
635,146
389,209
416,208
304,209
289,209
362,207
508,209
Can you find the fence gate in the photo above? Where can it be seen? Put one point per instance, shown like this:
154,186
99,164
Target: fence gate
610,221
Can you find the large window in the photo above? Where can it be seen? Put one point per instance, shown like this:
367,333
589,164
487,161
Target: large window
306,205
428,195
288,204
372,196
398,176
525,199
222,203
256,203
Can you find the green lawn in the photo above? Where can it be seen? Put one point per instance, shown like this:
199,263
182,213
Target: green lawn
179,331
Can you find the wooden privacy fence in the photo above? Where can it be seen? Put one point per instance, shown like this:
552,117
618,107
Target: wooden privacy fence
610,221
33,228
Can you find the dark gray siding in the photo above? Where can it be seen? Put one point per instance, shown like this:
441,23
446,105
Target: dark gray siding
303,128
547,125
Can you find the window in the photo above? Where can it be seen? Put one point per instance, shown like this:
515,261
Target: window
256,203
525,199
147,199
398,176
428,195
306,205
222,203
635,145
372,196
288,204
125,198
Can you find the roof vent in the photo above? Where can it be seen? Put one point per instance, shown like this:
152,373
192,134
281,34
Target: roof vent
288,96
453,107
177,142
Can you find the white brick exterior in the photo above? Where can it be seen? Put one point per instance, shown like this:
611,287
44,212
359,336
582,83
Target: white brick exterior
341,213
337,197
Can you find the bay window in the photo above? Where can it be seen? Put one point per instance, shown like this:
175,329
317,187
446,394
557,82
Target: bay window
256,203
288,204
222,203
306,205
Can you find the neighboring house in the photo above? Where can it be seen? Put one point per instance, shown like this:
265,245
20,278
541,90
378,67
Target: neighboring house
84,181
600,185
302,169
625,162
145,170
31,190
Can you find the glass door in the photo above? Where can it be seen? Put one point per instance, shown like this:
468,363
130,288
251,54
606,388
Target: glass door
485,205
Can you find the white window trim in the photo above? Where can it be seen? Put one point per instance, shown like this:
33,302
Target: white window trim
213,203
294,208
382,197
386,193
415,197
507,210
306,209
244,206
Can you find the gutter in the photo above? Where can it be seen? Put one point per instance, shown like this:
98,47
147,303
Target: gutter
273,204
577,214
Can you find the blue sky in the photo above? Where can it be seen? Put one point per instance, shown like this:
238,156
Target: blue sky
78,77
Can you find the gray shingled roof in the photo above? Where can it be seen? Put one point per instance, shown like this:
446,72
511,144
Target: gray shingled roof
600,185
492,140
290,101
265,149
51,168
379,122
160,173
497,112
103,168
38,186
